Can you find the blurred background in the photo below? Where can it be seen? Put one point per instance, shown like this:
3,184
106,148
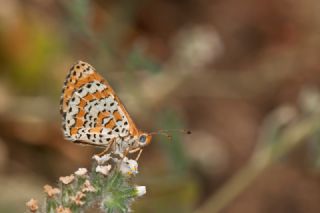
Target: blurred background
217,68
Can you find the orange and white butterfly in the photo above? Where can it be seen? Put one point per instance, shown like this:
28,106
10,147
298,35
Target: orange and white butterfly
93,114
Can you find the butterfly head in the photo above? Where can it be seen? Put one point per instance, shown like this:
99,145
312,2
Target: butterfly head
144,139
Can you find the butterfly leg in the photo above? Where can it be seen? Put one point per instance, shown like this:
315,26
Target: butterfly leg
106,149
136,150
139,154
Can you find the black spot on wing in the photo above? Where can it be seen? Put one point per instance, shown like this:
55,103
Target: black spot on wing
89,136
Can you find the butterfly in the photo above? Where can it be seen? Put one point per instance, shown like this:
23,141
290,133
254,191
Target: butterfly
92,113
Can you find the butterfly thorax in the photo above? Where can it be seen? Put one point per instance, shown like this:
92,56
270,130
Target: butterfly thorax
123,144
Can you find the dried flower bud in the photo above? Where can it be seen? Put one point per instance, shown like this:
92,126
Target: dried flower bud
81,172
32,205
50,191
77,198
67,179
61,209
103,169
88,187
141,190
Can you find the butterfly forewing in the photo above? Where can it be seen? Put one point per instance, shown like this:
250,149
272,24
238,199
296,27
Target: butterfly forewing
91,112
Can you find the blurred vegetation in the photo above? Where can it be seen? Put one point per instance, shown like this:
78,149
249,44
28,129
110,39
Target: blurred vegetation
223,69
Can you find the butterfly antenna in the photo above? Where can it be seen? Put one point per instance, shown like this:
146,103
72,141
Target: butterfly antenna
169,136
176,130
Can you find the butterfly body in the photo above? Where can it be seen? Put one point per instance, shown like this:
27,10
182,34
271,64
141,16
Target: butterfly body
92,113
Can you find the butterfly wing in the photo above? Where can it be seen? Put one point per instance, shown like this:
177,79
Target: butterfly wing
91,111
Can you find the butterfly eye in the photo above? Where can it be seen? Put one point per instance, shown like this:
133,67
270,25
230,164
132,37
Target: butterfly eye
142,139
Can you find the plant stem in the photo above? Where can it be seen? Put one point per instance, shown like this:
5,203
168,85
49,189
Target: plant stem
262,158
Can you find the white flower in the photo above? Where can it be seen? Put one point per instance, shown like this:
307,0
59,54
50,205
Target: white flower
81,172
141,190
102,159
128,167
103,169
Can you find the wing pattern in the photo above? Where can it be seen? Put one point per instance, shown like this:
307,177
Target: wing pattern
91,112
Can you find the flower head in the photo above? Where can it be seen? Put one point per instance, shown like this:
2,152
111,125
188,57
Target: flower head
77,199
32,205
67,179
141,190
81,172
128,167
103,169
50,191
88,187
101,160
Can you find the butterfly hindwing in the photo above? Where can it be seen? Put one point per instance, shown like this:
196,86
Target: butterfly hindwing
91,112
